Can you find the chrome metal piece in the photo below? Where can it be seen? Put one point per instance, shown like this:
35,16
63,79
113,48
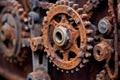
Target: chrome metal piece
60,36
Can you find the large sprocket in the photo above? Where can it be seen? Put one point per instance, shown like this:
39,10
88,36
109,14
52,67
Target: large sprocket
67,36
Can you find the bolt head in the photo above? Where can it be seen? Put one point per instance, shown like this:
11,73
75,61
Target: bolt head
103,26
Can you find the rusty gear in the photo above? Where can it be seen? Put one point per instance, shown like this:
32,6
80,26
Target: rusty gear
66,35
10,32
8,27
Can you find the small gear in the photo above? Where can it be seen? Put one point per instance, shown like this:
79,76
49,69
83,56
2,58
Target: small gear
67,36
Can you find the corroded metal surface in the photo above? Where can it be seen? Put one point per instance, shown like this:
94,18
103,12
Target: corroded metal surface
102,51
58,40
10,32
65,33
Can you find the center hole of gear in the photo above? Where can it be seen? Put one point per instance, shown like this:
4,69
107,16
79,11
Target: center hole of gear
58,37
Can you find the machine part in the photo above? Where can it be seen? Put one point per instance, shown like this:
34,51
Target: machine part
67,35
24,14
34,15
60,36
40,64
36,43
36,62
102,51
101,75
90,6
113,75
104,26
10,33
33,3
38,75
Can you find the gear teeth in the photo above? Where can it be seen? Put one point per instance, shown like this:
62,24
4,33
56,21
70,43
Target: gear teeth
103,72
81,65
71,4
85,61
45,20
19,5
101,75
55,4
51,8
75,6
90,39
20,10
62,70
53,65
25,20
81,54
26,27
47,12
89,47
87,23
97,75
23,45
89,31
15,3
70,19
62,2
50,61
45,50
58,2
83,47
87,54
71,22
58,68
69,10
77,69
80,10
67,3
84,16
47,55
67,72
72,71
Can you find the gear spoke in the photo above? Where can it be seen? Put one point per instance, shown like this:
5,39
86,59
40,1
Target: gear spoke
65,56
54,47
76,35
75,49
54,23
64,19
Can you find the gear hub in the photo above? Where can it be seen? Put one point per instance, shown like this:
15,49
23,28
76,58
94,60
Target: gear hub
60,36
